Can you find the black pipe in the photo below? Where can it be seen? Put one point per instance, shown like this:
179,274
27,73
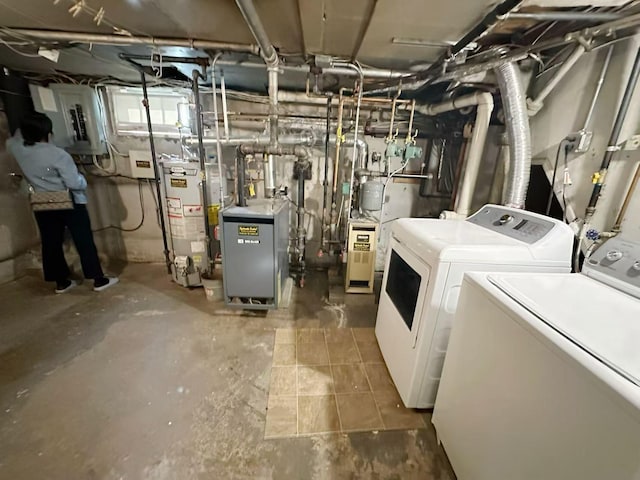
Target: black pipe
615,134
240,167
325,182
435,69
203,167
301,170
202,61
154,158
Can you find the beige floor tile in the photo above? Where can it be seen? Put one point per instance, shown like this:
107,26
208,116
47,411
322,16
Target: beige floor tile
365,335
317,414
338,335
315,380
394,414
370,352
358,412
379,377
284,354
282,418
349,378
310,335
285,335
312,354
283,381
344,352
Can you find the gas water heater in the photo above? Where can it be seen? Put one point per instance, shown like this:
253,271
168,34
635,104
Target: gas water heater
186,212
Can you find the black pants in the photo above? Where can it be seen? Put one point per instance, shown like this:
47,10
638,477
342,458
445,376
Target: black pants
52,226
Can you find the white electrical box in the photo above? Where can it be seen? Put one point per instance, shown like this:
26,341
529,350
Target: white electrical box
141,164
78,122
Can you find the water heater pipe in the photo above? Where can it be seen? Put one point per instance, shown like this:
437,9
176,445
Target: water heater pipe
517,122
195,77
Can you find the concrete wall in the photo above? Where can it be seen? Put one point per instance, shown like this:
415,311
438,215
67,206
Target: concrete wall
565,111
18,232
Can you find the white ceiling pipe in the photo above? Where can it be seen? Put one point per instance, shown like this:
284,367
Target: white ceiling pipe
107,39
474,156
376,73
484,103
535,104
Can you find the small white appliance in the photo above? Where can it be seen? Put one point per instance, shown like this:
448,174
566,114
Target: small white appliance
425,264
542,376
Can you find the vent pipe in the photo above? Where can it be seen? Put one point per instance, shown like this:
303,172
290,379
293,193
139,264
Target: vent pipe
270,57
517,122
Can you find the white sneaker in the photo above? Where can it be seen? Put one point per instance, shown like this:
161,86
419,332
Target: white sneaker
111,283
72,284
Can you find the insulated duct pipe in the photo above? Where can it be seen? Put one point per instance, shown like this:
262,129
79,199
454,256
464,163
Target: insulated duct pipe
484,103
599,177
474,154
535,104
517,121
106,39
270,57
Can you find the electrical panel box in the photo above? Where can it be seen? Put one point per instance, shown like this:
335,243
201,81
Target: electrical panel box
141,164
78,122
361,257
255,241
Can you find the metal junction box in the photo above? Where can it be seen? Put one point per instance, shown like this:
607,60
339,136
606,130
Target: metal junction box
255,241
361,257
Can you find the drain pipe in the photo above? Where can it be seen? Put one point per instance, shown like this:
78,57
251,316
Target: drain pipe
270,57
517,122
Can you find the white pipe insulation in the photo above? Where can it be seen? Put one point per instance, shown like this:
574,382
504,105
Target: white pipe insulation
517,122
474,156
484,103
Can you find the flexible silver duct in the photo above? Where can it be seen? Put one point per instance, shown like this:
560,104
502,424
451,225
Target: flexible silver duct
517,122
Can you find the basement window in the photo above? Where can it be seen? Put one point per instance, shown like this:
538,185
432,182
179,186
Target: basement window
169,111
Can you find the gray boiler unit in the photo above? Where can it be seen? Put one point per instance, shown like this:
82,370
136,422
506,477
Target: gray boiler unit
255,241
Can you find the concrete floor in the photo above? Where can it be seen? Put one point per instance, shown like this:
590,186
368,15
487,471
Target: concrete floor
148,380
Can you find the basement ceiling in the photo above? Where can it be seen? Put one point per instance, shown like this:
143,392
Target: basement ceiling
322,26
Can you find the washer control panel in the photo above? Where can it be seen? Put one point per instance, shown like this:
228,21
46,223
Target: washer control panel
519,224
616,263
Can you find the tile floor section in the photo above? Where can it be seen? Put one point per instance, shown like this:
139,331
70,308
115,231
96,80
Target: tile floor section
332,380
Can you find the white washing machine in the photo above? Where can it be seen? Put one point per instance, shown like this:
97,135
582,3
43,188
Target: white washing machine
542,376
425,264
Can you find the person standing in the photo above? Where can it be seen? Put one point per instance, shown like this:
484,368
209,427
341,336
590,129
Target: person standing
48,168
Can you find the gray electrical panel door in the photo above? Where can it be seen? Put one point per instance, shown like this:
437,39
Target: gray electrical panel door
249,252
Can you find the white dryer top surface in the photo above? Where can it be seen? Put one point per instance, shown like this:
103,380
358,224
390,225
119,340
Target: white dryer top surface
601,320
435,240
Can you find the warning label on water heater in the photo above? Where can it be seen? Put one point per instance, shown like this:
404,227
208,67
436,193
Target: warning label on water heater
248,230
